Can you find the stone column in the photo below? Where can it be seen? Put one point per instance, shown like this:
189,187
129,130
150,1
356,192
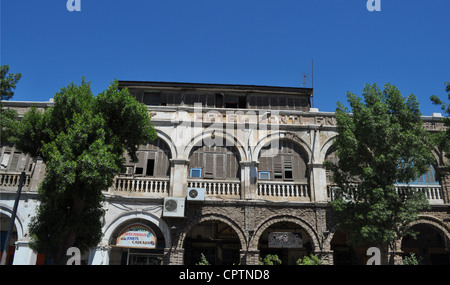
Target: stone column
24,255
318,182
326,256
178,177
173,256
249,257
248,179
445,184
99,255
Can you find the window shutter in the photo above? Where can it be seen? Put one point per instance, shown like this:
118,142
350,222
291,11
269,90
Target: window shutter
22,162
209,165
139,166
277,167
14,161
219,167
5,159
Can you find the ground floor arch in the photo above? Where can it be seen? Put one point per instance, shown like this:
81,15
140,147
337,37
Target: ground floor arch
217,237
288,237
145,245
430,246
216,240
5,221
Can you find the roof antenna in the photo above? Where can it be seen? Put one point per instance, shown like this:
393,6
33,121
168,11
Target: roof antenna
312,82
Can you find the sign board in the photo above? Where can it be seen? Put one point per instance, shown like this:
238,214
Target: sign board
137,236
285,240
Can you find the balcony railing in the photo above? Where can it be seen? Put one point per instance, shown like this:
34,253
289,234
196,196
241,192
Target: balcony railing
10,181
218,188
432,192
278,190
140,186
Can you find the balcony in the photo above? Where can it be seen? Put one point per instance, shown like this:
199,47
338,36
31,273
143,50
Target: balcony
10,181
225,189
432,192
140,187
283,191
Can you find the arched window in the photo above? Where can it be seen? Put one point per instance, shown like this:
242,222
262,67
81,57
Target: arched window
428,178
154,160
290,164
214,162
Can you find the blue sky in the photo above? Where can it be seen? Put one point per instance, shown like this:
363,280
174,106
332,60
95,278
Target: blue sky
253,42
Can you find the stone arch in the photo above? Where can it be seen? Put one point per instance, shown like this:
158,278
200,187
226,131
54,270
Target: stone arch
18,223
327,146
281,135
133,215
211,217
228,138
253,244
436,224
169,142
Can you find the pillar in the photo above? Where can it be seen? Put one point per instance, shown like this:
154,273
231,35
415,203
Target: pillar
248,180
178,177
24,255
99,255
249,257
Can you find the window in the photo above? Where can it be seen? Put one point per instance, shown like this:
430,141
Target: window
153,161
4,161
216,162
288,165
150,167
151,98
139,170
264,175
196,173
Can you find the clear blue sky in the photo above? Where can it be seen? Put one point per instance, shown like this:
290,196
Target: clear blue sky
254,42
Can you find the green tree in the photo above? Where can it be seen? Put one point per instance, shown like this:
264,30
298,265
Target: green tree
8,117
380,144
270,259
442,139
312,259
203,260
81,139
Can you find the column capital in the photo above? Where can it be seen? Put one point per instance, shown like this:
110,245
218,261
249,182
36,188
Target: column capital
179,161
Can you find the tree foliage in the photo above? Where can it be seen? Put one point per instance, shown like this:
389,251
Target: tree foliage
442,139
81,139
312,259
8,117
270,259
381,143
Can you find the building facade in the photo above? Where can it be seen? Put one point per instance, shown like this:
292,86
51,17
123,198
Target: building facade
236,173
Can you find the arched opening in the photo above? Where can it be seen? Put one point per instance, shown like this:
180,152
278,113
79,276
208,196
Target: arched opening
216,240
154,161
343,253
137,242
289,164
287,240
220,162
4,225
429,246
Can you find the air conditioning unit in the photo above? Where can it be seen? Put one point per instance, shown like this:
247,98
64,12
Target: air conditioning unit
173,207
195,194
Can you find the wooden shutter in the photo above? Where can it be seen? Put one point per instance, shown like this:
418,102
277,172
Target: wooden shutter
14,161
139,166
208,165
277,168
219,162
